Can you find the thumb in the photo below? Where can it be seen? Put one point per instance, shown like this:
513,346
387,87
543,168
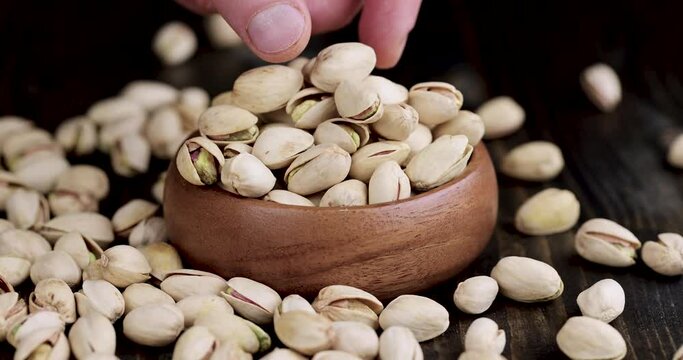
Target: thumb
275,30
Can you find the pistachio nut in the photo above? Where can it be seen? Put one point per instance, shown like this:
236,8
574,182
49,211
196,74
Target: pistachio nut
197,305
397,122
369,157
162,257
224,98
317,169
77,135
9,183
156,324
92,334
185,282
164,131
292,302
389,92
277,147
12,309
40,171
158,188
346,193
501,116
27,209
346,134
266,88
86,179
419,139
12,125
53,295
43,344
480,355
5,225
113,110
484,335
675,153
435,102
355,338
131,214
101,297
231,328
192,102
666,255
399,343
130,155
56,264
226,124
304,332
230,350
527,280
221,34
247,176
112,133
251,299
388,183
550,211
287,197
23,244
334,355
307,69
465,123
476,294
148,231
358,103
14,269
604,300
233,149
199,161
141,294
63,202
298,63
310,107
150,94
582,337
283,354
174,43
533,161
602,86
80,248
605,242
425,317
89,224
339,62
439,162
347,303
28,142
679,354
27,326
121,265
195,343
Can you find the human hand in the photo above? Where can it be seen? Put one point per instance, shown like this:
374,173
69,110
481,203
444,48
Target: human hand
279,30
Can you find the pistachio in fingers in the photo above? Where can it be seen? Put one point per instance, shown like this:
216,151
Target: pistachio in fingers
346,193
317,169
666,255
277,147
527,280
435,102
605,242
199,161
439,162
339,62
247,176
369,157
310,107
388,183
266,88
465,123
604,300
550,211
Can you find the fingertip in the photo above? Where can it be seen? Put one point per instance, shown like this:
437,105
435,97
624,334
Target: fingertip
388,56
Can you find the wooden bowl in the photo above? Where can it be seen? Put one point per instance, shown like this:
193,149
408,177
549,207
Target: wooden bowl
387,249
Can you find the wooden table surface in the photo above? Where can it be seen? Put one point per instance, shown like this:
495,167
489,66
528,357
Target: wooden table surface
59,59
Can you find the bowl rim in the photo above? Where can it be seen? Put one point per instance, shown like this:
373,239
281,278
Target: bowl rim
478,156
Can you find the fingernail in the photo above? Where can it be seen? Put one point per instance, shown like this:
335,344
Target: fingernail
276,28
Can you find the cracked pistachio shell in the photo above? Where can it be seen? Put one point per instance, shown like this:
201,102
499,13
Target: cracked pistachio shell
185,282
425,317
80,248
33,323
164,131
111,133
291,303
347,135
355,338
86,179
195,343
247,176
502,116
310,107
465,123
283,354
227,123
389,92
141,294
439,162
666,255
602,86
547,212
23,244
199,161
115,109
9,183
233,149
527,280
53,294
101,297
266,88
339,62
480,355
92,334
162,257
604,300
156,324
252,300
334,355
399,343
419,139
369,157
533,161
476,294
388,183
150,94
230,328
582,337
89,224
174,43
317,169
43,344
14,269
148,231
435,102
131,214
130,155
287,198
304,332
358,103
220,33
77,135
397,122
198,305
346,303
605,242
121,265
56,264
346,193
12,309
27,209
483,335
40,170
12,125
158,188
277,147
26,142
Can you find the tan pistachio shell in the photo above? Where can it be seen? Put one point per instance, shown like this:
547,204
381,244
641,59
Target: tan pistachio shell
435,102
187,167
367,158
304,332
121,265
533,161
465,123
156,324
266,88
56,264
388,183
548,212
27,326
603,300
53,295
346,134
389,92
27,209
339,62
483,334
346,303
582,337
163,130
287,197
77,135
277,147
12,125
150,94
23,244
91,225
12,309
131,155
233,149
196,342
227,123
80,248
502,116
252,300
317,169
101,297
425,317
26,142
310,107
476,294
40,170
141,294
14,269
131,214
186,282
398,342
527,280
666,255
198,305
439,162
48,343
9,183
92,334
354,338
346,193
602,86
247,176
356,102
224,98
148,231
162,257
84,179
397,122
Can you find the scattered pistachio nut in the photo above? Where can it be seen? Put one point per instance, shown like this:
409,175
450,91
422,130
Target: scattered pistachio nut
483,335
174,43
162,258
165,132
388,183
92,334
14,269
291,303
199,161
80,248
502,116
439,162
40,170
27,209
435,102
157,324
23,244
602,86
266,88
287,198
158,188
77,135
12,309
533,161
101,297
277,147
465,123
397,122
346,193
527,280
185,282
196,306
130,155
86,179
137,295
247,176
251,299
148,231
53,295
355,338
114,110
339,62
195,343
582,337
347,303
605,242
310,107
43,344
548,212
121,265
369,157
399,343
151,95
27,326
227,327
476,294
425,317
604,300
131,214
304,332
89,224
317,169
666,255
